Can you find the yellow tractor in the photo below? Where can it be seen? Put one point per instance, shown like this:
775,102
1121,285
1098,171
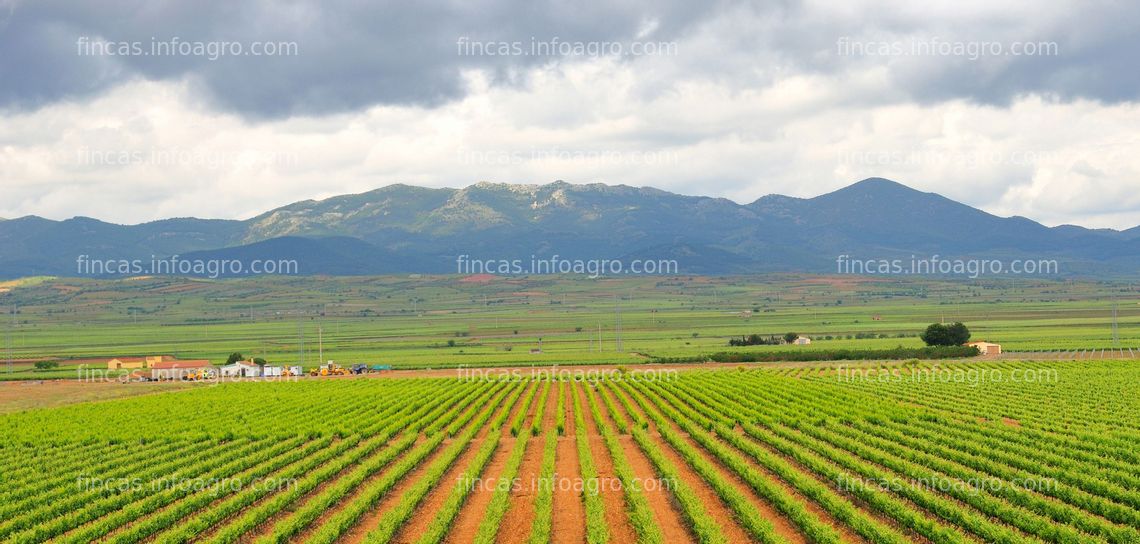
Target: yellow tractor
198,375
329,369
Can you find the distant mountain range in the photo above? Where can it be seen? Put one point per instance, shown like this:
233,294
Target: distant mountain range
406,229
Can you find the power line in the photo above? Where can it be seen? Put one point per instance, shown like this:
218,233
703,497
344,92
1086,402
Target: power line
8,337
617,327
1115,328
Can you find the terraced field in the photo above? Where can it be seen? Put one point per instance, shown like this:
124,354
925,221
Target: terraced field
994,451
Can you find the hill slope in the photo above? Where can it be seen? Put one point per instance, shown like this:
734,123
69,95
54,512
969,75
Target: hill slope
402,228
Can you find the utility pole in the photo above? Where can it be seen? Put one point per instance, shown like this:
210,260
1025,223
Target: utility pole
8,337
1115,328
320,345
617,327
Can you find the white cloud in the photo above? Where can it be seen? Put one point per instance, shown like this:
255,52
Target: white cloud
150,149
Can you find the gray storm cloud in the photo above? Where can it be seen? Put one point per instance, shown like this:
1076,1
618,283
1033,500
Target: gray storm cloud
354,55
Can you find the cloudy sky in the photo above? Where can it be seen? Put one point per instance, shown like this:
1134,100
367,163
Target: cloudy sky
130,111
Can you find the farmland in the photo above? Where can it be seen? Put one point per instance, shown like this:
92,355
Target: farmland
980,451
450,321
529,410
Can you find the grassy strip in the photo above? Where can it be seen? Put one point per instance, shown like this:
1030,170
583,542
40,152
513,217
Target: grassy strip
640,513
332,529
899,353
702,524
815,529
192,526
596,531
975,467
252,518
746,514
340,452
517,421
314,508
857,455
858,461
393,519
66,494
489,526
437,530
536,421
561,408
825,496
1104,481
953,474
150,500
81,508
544,502
1047,523
35,487
200,503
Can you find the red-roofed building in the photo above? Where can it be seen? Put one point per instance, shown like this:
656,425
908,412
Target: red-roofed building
119,363
149,361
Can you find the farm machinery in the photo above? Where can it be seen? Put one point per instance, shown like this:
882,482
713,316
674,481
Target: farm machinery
329,369
198,375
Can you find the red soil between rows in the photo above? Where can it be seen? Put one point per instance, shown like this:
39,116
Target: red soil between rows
429,508
569,526
267,527
466,524
371,519
666,511
845,531
782,525
613,500
715,507
516,524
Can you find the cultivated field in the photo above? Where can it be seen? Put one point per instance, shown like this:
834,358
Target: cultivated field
986,451
450,321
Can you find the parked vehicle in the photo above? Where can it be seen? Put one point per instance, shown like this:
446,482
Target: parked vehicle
329,369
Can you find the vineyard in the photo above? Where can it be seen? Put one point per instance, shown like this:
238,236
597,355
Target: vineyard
990,451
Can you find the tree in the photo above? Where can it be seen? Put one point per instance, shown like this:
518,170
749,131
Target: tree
259,361
959,334
46,365
790,337
938,334
234,357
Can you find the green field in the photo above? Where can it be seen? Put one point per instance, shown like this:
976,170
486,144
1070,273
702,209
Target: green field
1041,449
447,321
983,451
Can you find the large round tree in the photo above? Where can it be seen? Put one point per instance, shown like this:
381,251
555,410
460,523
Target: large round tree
939,334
